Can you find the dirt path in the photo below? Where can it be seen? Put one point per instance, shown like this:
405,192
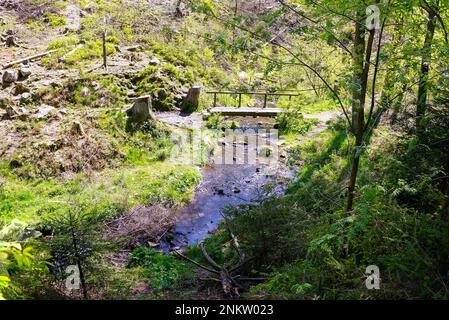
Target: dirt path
323,117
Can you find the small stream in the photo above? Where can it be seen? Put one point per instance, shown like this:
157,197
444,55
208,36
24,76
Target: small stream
225,185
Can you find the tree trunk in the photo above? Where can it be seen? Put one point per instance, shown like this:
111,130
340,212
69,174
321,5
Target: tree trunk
78,259
191,102
358,70
424,76
361,63
141,111
397,105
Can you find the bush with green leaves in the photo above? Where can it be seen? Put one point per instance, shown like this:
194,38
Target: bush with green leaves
162,271
21,272
293,121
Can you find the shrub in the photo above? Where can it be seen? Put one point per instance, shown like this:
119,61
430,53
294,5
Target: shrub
163,272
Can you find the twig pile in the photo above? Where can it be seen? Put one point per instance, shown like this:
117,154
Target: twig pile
140,225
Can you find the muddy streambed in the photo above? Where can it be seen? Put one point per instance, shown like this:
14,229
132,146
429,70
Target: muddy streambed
225,185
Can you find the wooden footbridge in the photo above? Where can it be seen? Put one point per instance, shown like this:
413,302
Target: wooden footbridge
257,111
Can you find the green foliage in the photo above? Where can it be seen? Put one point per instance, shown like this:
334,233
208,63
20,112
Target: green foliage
55,20
232,125
173,187
161,82
90,50
294,122
163,272
218,247
18,264
66,42
214,121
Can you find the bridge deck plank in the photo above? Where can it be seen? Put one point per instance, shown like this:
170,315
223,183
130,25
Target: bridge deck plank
247,111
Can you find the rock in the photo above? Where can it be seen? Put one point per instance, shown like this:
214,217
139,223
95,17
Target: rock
23,114
153,244
10,76
10,41
236,190
26,97
155,62
4,101
24,72
280,142
220,192
258,170
133,48
77,129
179,97
11,111
163,93
44,111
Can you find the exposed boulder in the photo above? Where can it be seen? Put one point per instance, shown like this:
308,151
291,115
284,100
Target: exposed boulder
24,72
26,97
163,93
10,41
44,111
77,129
10,76
155,62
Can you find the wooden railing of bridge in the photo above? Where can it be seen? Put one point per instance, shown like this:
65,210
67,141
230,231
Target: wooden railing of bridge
240,93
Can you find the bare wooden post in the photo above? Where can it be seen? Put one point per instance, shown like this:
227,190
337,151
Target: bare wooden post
265,100
105,63
240,100
215,100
